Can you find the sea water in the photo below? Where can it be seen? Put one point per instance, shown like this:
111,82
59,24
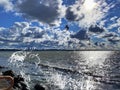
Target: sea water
66,70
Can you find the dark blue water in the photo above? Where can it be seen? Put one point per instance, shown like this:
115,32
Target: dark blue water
66,70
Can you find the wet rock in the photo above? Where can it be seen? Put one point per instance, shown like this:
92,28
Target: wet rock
23,84
9,72
20,78
1,67
39,87
25,88
19,81
17,85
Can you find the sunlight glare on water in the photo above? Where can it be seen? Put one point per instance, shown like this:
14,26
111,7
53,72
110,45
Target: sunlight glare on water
95,58
74,70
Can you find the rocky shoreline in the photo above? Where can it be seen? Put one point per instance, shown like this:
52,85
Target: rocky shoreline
19,81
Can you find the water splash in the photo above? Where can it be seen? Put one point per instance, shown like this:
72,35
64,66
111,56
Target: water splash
36,58
58,80
16,61
24,63
93,69
64,81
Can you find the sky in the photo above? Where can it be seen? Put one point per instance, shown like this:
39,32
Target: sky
40,24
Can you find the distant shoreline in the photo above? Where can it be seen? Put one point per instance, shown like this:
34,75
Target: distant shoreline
58,50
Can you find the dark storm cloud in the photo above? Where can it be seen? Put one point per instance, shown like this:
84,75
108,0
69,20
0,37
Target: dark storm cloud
46,11
96,29
81,35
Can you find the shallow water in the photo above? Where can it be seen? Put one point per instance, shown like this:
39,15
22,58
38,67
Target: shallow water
66,70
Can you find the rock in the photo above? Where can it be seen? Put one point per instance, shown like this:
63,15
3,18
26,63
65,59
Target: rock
16,83
16,80
39,87
1,67
9,72
24,88
20,78
19,83
23,84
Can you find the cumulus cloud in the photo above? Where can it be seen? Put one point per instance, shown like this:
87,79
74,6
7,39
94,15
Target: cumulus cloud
88,12
6,4
85,12
46,11
89,15
96,29
23,35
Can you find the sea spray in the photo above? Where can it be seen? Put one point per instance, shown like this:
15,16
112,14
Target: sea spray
16,63
16,59
64,81
24,63
35,60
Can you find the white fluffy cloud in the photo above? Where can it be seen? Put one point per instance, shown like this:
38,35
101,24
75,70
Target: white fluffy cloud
6,4
86,13
23,35
89,12
115,23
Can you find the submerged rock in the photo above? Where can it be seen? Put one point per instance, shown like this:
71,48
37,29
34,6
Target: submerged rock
39,87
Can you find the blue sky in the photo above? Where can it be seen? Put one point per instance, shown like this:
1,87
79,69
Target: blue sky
40,24
8,19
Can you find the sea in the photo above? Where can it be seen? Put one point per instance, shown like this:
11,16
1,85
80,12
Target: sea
65,70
